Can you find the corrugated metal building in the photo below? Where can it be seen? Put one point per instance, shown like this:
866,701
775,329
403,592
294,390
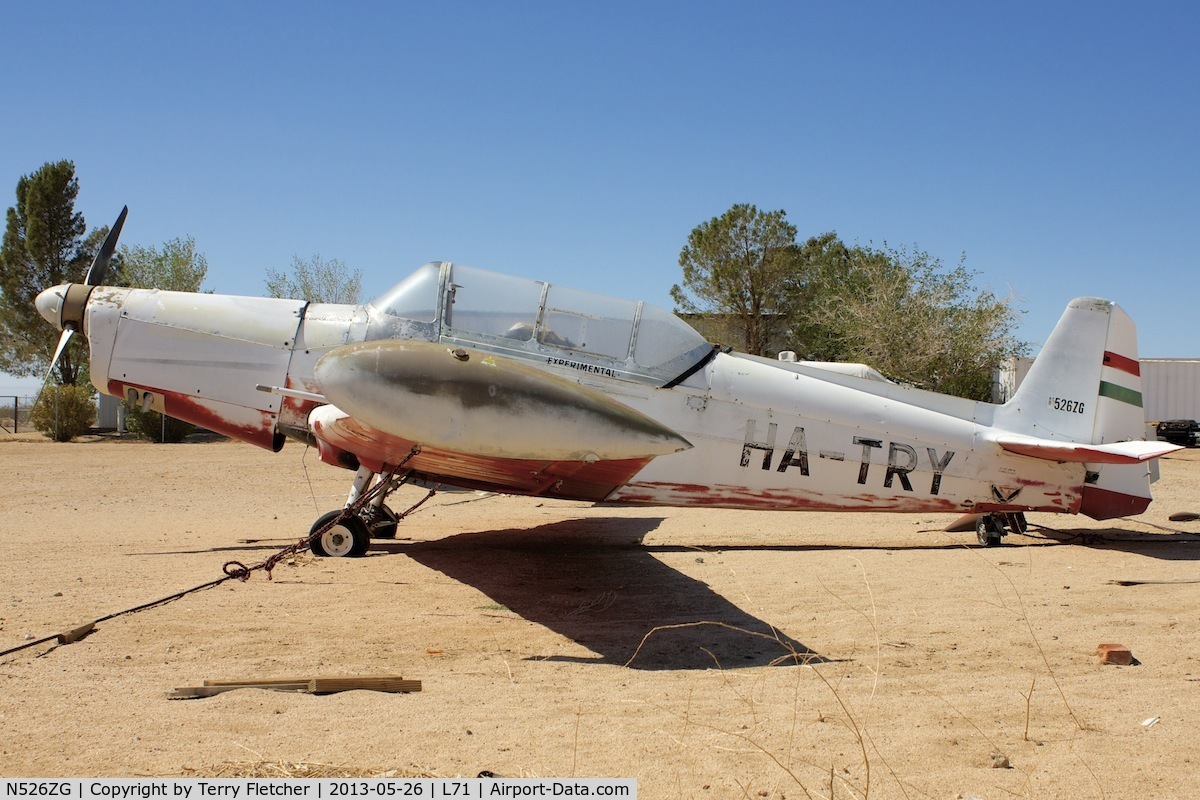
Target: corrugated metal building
1170,386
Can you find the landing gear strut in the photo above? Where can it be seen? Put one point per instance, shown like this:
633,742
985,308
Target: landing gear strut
362,518
991,528
357,521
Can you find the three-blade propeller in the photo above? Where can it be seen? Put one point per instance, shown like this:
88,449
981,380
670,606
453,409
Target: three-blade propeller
94,277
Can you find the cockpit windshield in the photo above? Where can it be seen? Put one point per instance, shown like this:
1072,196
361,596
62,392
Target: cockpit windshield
509,314
414,298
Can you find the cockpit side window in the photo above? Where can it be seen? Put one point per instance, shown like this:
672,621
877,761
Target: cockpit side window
492,304
588,322
663,338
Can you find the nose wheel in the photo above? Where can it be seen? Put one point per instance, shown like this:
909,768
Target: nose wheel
349,530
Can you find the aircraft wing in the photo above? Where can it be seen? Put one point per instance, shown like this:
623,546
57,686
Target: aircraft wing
480,420
1133,452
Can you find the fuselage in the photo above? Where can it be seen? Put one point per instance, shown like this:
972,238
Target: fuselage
762,434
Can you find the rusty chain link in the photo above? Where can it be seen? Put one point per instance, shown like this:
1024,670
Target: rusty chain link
238,570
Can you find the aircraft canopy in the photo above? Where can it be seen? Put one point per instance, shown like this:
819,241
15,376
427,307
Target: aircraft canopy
507,313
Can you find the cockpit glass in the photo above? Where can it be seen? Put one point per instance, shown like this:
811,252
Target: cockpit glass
415,297
492,309
591,323
663,337
493,304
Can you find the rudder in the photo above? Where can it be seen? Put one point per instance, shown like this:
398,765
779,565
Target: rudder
1085,388
1059,398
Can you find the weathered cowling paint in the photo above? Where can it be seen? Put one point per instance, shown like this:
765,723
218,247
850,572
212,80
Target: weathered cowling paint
195,357
237,422
466,401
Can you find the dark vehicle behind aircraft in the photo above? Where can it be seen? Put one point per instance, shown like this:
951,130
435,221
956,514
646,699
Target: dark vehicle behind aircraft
1183,432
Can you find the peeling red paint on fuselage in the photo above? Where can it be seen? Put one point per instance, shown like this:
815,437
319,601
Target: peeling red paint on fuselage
741,497
294,411
255,426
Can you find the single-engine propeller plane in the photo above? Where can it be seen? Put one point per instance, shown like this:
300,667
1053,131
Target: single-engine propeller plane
468,378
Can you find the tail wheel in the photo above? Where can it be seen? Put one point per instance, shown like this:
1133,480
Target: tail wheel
348,538
988,530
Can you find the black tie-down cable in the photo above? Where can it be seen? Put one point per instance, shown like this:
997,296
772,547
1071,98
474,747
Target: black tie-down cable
236,569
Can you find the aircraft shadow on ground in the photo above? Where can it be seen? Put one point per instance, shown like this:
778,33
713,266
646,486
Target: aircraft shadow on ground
1168,546
592,581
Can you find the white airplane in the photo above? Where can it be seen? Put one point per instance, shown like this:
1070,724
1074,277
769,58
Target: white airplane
473,379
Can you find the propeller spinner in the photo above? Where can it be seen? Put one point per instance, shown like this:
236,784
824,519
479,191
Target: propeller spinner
62,306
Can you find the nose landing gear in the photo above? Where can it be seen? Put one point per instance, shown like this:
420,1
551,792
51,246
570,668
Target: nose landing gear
347,532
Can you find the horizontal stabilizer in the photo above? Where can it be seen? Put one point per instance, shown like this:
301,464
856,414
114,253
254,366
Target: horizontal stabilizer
1116,453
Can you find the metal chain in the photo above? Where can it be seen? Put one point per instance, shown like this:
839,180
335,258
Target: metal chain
236,569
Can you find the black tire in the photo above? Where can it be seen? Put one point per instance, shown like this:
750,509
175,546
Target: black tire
1017,522
385,525
386,531
347,539
987,531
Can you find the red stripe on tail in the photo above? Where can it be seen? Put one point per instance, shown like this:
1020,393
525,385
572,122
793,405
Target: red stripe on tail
1122,363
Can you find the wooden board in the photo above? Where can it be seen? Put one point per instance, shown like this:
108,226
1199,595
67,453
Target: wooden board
374,683
193,692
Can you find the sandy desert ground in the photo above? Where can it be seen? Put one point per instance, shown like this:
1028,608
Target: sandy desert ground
561,639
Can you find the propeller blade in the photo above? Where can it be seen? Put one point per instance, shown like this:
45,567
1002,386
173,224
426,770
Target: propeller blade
62,345
99,268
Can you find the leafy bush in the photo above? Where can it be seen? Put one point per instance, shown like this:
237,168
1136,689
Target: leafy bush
64,412
156,427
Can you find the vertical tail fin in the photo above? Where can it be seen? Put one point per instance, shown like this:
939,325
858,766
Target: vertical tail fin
1085,387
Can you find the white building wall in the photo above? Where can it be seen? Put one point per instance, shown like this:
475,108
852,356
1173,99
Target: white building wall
1170,386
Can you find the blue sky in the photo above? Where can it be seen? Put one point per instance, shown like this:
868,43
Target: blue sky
1054,144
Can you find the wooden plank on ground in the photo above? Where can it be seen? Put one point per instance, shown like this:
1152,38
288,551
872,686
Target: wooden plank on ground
193,692
297,679
374,683
385,684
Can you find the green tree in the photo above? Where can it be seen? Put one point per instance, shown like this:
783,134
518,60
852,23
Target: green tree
44,245
738,266
177,266
316,281
901,311
898,310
